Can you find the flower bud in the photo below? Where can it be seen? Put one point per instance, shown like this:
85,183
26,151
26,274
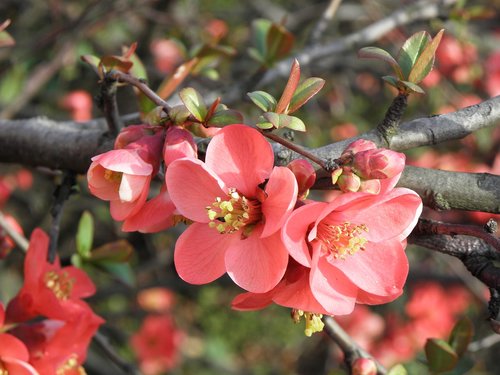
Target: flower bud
380,163
348,181
129,135
304,174
359,146
179,143
370,186
336,173
364,366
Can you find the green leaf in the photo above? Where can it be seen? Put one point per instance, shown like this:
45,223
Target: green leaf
425,61
305,91
225,117
194,103
117,251
263,100
116,62
260,29
85,235
461,335
412,87
12,83
291,86
383,55
255,54
265,125
122,271
440,355
6,40
411,50
391,80
179,114
279,42
397,370
281,120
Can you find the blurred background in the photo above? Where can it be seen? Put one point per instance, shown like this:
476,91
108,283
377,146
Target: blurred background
152,316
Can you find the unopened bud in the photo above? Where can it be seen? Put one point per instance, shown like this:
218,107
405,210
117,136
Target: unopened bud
359,146
130,134
348,181
370,186
380,163
304,174
336,174
364,366
179,143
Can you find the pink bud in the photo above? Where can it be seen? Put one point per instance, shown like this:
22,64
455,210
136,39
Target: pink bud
380,163
304,174
179,143
348,181
130,134
370,186
360,145
364,366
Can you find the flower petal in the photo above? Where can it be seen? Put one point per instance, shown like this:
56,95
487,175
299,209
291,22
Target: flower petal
294,232
252,301
83,286
282,193
99,186
154,216
18,367
333,290
120,210
381,269
11,346
257,264
199,253
241,157
131,186
192,187
125,161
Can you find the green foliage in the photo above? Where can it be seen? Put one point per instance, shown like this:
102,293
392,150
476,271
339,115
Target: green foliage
85,235
440,355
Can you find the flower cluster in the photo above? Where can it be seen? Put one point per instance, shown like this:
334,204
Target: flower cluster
46,328
251,219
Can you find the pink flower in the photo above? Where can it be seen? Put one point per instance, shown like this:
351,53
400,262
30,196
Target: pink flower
159,213
123,176
354,246
238,202
156,344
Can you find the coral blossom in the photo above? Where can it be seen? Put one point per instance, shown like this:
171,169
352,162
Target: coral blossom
238,202
354,246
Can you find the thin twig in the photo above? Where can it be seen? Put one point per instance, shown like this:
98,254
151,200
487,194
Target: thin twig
18,238
61,194
325,19
484,343
103,342
109,106
351,350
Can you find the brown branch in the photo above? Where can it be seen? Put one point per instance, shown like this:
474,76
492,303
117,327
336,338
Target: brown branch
351,350
107,103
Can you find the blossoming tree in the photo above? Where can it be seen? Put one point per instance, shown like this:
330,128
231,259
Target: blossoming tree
205,189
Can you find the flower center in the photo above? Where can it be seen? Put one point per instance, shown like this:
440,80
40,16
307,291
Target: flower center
60,284
3,370
234,213
113,176
70,366
338,241
313,321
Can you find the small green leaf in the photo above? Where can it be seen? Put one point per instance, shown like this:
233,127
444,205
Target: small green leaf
116,62
122,271
440,355
260,28
380,54
391,80
85,235
397,370
263,100
279,42
425,61
265,125
305,91
412,87
281,120
255,54
194,103
6,40
461,335
76,260
179,114
225,117
291,86
117,251
411,50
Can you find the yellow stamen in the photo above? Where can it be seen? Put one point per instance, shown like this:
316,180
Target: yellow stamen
234,213
60,284
113,176
313,321
342,240
70,365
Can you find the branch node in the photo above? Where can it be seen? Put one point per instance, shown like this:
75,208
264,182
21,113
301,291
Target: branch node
390,124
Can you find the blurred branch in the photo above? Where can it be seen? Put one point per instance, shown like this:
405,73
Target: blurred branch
323,22
105,345
418,11
18,238
107,103
351,350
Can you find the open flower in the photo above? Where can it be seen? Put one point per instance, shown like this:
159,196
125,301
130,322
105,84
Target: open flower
48,289
238,202
354,246
122,176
